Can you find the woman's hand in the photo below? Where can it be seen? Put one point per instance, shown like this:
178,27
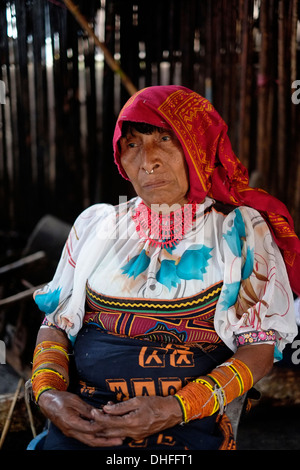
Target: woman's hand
75,418
138,417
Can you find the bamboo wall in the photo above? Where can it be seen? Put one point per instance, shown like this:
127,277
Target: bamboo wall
62,99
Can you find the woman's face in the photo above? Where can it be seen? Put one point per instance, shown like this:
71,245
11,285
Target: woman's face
161,152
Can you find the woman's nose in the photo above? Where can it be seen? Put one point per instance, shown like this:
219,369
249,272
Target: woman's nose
150,160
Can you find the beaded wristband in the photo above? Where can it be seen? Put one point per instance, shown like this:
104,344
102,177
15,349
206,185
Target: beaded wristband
48,346
199,398
235,376
199,392
47,379
48,356
209,386
182,406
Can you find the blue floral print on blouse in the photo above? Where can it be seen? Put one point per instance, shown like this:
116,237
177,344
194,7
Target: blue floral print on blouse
191,265
136,265
49,301
237,235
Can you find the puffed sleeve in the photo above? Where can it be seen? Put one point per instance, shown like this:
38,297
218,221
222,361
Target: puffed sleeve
62,299
256,303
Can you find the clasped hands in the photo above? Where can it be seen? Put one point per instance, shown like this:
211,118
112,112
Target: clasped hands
135,418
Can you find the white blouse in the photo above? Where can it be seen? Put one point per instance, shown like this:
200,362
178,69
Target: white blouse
105,250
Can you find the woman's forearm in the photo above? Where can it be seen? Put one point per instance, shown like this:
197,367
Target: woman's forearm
205,395
50,365
258,357
52,334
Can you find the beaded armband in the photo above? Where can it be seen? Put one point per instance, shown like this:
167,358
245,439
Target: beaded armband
199,398
50,368
197,391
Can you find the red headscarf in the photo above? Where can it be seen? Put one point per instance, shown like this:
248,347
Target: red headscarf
214,170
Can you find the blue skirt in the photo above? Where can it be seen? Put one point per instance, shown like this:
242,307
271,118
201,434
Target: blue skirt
113,368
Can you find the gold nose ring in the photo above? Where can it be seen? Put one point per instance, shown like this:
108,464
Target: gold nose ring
149,172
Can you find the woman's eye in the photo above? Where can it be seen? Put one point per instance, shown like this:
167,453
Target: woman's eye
131,145
165,138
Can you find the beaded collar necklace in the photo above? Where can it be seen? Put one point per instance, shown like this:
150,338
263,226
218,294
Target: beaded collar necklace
164,230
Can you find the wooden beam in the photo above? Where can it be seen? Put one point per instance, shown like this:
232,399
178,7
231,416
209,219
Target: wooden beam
26,260
20,296
11,410
107,55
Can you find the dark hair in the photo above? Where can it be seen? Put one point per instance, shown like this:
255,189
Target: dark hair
142,127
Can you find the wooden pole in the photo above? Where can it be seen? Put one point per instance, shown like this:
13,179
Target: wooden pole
30,416
107,55
11,410
282,142
262,162
19,296
25,261
294,169
294,40
244,129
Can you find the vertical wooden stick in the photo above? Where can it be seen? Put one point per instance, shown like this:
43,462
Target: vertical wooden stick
244,129
262,162
11,410
31,421
282,105
108,57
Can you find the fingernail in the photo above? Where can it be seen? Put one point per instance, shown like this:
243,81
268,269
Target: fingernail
109,403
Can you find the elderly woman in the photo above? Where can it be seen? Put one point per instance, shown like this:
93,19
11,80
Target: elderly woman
171,304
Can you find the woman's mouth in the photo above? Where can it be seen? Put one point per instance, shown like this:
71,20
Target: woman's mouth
155,184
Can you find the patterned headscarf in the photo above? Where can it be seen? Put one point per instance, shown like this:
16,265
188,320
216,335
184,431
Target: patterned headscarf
214,169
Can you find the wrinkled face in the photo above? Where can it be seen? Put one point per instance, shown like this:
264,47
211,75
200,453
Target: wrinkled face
161,152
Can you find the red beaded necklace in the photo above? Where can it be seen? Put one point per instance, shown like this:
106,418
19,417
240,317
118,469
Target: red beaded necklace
164,230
